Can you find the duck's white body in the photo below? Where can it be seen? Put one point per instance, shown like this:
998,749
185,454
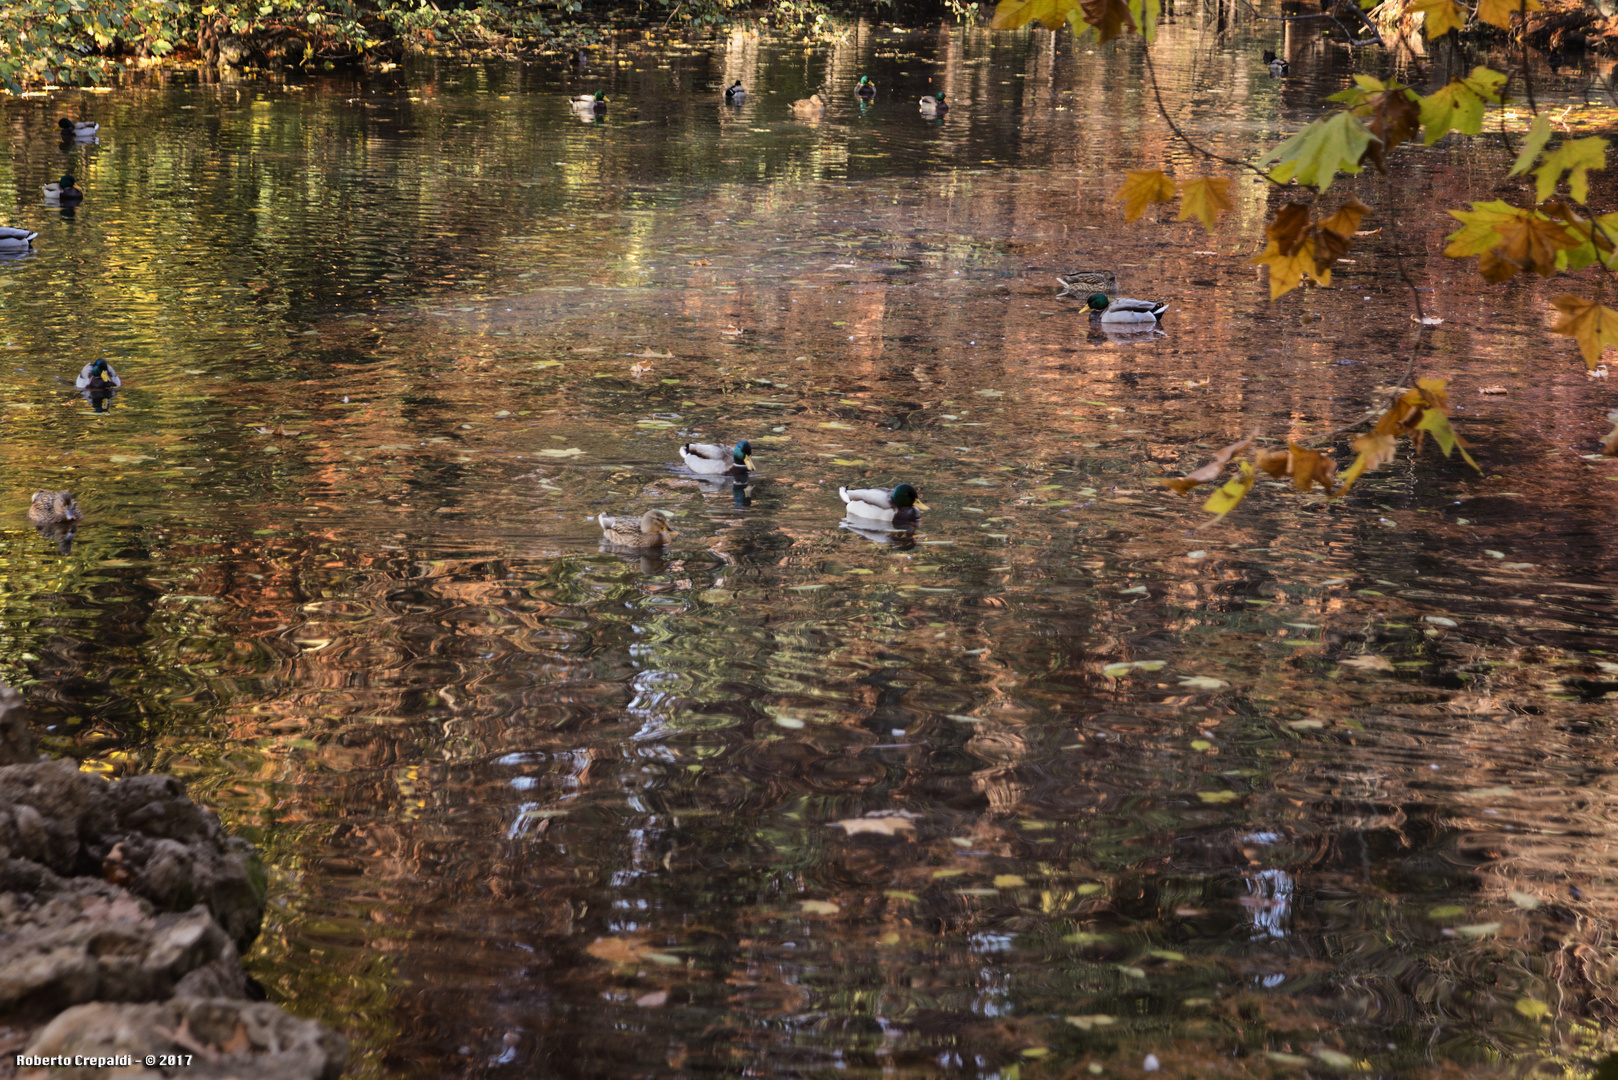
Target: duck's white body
587,104
873,504
931,106
83,381
16,239
1122,310
710,459
83,129
735,94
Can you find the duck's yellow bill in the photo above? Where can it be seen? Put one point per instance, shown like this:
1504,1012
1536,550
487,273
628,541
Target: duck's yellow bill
747,463
921,506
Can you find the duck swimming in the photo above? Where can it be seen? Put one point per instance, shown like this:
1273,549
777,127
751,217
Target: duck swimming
735,94
590,103
97,376
1278,67
809,107
16,239
77,129
934,105
64,191
1083,282
713,459
53,508
901,506
866,88
1122,309
651,529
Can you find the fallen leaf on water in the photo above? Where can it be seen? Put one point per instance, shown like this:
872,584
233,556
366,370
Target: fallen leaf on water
653,1000
1368,662
819,907
1202,682
1493,390
1533,1008
1115,670
1478,930
617,950
881,826
638,370
551,452
1009,881
1218,796
1524,900
651,354
1428,320
1333,1059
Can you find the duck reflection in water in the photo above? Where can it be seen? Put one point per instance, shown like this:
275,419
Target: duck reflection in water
100,400
1100,334
900,538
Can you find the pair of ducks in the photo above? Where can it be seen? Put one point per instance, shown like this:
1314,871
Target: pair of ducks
1113,310
812,106
901,506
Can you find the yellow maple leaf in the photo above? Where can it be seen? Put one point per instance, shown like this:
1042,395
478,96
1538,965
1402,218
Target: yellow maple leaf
1442,16
1592,324
1144,187
1480,228
1287,271
1204,198
1051,14
1499,12
1230,495
1435,422
1574,157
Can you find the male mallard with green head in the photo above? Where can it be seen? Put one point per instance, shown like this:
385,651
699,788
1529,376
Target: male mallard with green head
934,105
712,459
735,94
97,376
651,529
866,88
63,191
590,103
1121,309
77,129
1085,282
901,506
53,508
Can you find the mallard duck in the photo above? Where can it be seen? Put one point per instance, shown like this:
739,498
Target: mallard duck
77,129
97,376
712,459
64,190
934,105
1084,282
901,506
866,88
810,106
16,239
651,529
1121,309
735,94
591,103
1278,67
53,508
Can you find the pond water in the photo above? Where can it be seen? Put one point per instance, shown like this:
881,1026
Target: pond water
790,799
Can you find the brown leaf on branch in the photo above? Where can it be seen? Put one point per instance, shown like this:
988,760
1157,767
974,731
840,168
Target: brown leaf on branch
1394,117
1109,17
1290,229
1141,189
1592,324
1532,243
1209,472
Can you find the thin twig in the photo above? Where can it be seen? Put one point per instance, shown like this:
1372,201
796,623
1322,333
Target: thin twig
1157,93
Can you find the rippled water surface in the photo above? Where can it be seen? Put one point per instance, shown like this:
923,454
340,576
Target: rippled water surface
794,800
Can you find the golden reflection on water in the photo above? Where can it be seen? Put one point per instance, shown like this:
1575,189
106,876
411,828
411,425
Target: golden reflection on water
789,799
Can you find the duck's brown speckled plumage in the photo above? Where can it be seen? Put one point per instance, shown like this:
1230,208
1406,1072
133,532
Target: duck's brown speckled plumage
52,507
651,529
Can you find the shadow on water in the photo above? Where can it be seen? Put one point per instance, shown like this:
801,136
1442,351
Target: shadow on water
1049,781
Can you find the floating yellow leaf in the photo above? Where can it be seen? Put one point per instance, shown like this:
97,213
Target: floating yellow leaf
1218,796
1204,198
1009,881
819,907
1141,189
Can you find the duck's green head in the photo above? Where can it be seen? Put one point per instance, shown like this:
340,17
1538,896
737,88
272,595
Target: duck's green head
905,495
743,454
65,124
1098,301
98,368
601,95
66,181
939,97
865,80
